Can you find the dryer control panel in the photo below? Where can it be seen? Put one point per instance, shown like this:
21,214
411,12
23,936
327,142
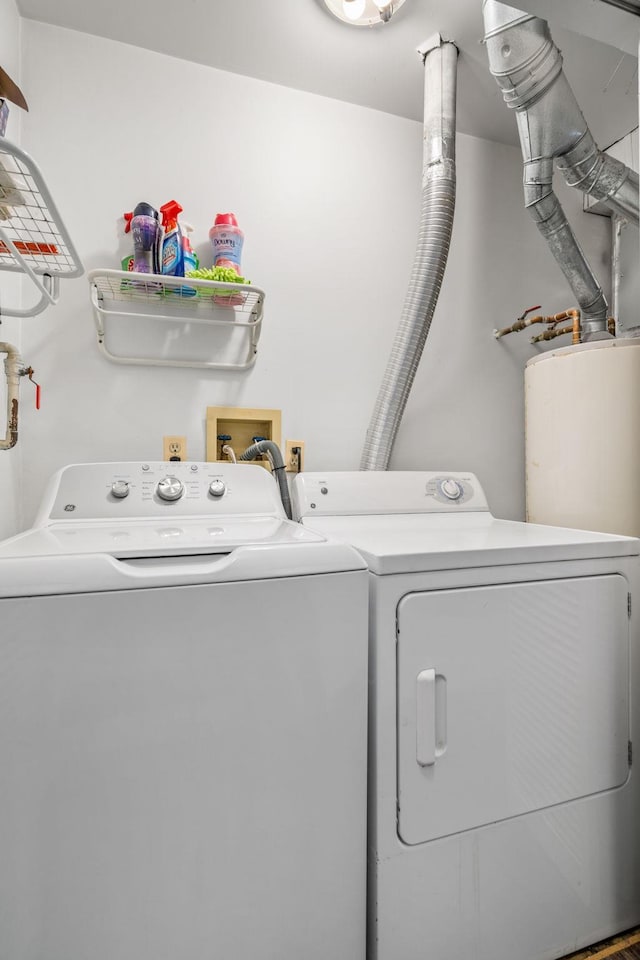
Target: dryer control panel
110,491
371,492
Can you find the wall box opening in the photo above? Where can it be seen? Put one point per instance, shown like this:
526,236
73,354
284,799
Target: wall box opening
241,425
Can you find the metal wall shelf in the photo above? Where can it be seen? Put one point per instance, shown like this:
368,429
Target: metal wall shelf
33,238
143,318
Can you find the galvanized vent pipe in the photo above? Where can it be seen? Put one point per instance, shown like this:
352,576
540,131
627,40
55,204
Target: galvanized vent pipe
528,68
434,236
630,6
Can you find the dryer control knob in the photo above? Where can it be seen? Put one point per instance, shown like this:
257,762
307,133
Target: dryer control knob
120,489
451,489
170,488
217,488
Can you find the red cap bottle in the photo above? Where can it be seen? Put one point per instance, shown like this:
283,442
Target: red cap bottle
226,240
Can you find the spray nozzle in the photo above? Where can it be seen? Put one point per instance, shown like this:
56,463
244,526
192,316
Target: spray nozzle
186,230
170,213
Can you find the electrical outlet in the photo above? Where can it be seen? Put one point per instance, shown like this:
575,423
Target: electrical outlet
174,448
294,456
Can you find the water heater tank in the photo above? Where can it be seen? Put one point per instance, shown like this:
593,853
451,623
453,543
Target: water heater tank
582,429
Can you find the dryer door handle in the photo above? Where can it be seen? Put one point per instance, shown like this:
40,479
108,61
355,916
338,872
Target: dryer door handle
431,717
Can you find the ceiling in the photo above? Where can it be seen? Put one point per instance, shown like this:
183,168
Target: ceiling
298,44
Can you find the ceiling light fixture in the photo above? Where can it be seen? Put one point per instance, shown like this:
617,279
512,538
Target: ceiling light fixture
363,13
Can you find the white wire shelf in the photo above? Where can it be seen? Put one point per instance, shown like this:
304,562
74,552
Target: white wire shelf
33,237
158,320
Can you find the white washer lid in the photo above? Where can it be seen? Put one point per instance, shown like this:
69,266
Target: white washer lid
412,543
83,558
155,538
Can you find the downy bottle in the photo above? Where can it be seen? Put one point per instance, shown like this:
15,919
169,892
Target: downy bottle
226,240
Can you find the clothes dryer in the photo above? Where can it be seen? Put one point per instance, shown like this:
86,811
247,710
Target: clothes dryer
504,811
182,723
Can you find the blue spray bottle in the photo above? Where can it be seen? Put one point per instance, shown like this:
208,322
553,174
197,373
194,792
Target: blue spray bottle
172,259
190,257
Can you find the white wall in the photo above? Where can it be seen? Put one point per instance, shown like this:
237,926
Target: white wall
10,509
327,194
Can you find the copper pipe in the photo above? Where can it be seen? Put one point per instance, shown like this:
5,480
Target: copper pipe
611,326
551,321
521,322
519,325
576,329
552,334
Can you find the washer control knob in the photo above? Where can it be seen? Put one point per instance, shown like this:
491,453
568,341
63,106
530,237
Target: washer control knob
451,489
120,489
217,488
170,488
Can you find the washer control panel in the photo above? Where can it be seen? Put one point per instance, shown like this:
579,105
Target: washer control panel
372,492
217,488
154,489
120,489
450,490
170,488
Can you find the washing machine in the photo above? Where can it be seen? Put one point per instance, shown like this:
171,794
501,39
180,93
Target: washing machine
182,723
504,810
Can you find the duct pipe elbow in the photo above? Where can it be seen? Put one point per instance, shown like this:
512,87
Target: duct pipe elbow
601,176
548,215
528,68
522,56
499,17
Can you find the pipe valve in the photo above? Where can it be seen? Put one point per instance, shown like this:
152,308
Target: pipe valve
29,371
14,368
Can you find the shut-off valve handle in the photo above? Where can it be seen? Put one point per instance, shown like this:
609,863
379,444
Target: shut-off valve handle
30,371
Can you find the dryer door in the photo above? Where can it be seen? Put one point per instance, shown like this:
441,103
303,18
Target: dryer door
511,698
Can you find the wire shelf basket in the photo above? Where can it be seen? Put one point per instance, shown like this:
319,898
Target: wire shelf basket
176,321
145,288
33,238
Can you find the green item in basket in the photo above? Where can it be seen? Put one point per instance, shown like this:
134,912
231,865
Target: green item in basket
221,274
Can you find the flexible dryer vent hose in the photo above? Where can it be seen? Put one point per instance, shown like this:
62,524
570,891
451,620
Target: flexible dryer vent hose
434,237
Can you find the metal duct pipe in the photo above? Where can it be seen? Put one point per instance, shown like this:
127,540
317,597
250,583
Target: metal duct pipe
631,6
434,236
528,67
602,177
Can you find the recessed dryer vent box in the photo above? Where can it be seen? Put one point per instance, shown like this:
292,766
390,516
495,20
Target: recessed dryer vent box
242,424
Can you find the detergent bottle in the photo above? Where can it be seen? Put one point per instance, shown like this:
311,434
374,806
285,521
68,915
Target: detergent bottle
189,261
172,260
145,230
128,261
226,239
189,257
